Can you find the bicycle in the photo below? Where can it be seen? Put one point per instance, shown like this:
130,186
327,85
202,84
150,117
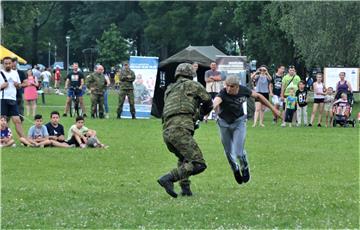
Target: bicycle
74,102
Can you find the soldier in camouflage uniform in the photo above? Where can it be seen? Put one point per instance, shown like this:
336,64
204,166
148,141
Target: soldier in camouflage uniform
97,84
183,99
127,77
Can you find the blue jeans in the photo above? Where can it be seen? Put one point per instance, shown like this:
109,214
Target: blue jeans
106,93
233,139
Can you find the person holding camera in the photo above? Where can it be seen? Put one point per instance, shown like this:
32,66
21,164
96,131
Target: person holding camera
262,80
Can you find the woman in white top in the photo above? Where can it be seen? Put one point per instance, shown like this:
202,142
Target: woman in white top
319,96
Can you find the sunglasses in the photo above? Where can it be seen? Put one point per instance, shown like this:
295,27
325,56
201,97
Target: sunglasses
262,70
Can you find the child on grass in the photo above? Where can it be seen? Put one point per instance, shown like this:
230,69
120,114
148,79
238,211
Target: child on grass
79,134
38,135
291,102
6,139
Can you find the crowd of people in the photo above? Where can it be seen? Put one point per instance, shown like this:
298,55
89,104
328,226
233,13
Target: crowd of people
288,93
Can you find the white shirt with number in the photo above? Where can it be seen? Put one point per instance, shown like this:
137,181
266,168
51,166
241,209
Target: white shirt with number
9,92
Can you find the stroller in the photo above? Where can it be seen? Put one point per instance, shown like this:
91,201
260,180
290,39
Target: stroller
342,112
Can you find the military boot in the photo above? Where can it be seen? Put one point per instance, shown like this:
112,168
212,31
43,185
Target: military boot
118,116
185,190
238,177
133,116
167,182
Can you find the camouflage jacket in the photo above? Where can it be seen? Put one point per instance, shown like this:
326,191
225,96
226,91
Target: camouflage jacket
127,77
181,103
97,81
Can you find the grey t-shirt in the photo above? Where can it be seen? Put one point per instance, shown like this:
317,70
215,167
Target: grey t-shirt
262,84
35,132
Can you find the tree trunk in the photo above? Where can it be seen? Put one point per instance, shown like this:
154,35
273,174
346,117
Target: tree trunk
35,39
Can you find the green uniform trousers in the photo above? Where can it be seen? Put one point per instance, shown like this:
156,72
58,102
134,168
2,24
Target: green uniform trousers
130,94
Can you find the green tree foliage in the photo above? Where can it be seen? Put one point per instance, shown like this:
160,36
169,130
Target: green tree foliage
112,47
325,33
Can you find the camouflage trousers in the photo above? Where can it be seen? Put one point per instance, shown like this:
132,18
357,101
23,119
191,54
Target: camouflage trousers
130,94
181,142
97,99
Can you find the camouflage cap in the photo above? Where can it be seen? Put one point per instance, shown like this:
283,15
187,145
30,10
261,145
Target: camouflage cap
185,69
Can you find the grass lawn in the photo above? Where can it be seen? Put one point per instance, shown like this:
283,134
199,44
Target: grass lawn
301,178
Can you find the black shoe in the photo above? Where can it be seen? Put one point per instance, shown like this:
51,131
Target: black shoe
245,174
133,116
185,190
64,115
319,125
92,116
238,177
84,115
118,116
168,185
310,125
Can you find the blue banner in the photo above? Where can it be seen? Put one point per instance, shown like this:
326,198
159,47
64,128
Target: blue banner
145,69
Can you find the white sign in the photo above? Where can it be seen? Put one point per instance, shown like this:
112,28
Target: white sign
331,77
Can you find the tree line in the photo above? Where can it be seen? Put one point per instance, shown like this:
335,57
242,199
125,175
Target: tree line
305,33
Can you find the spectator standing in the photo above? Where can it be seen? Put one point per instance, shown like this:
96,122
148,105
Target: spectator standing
57,79
9,83
45,79
262,81
342,86
36,72
106,95
213,82
275,89
328,106
20,90
127,77
319,98
290,102
290,80
302,99
195,65
76,81
30,93
97,84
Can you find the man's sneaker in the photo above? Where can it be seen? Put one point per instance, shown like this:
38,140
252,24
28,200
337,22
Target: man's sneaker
13,145
319,125
64,115
185,190
133,116
118,116
310,125
82,146
245,174
283,124
238,177
107,116
168,185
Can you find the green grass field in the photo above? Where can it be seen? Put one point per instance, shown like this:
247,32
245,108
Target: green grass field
301,178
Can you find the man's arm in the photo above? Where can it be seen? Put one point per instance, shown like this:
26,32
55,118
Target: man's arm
66,83
265,102
217,102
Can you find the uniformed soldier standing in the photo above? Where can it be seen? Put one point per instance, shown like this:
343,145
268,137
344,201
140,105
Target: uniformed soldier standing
127,77
97,84
184,101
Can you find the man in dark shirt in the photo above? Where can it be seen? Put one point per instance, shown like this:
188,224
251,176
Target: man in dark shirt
76,81
232,124
56,131
275,88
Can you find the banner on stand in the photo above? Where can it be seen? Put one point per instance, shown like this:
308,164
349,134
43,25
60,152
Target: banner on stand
145,69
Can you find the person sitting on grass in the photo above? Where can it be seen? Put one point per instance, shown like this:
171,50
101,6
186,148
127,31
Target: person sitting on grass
56,131
79,134
38,135
6,139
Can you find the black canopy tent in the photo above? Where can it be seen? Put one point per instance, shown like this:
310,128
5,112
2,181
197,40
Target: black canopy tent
203,55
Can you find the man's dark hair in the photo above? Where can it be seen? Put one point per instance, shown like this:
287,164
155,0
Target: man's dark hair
14,59
7,58
79,118
54,113
38,116
279,66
